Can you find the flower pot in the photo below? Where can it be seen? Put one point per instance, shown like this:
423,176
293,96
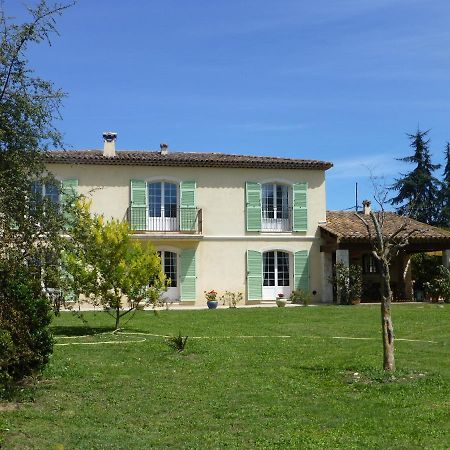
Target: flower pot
212,304
281,302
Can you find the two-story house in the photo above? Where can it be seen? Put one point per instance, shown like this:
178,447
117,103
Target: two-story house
225,222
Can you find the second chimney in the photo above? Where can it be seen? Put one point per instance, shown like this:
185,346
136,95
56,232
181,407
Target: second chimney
164,149
109,143
366,207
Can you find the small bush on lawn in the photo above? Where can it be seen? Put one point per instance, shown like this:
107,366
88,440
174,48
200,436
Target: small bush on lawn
25,339
300,297
178,343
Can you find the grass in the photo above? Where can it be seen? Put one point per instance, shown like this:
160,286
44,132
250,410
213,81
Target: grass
308,390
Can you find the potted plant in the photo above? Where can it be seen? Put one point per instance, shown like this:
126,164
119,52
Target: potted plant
281,301
211,299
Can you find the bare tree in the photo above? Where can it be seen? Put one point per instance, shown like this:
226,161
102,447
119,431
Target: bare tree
386,244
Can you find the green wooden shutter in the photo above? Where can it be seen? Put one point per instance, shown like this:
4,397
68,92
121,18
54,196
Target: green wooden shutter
300,207
254,275
188,275
68,190
138,207
68,193
301,270
188,211
253,206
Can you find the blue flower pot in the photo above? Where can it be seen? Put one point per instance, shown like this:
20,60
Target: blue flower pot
212,304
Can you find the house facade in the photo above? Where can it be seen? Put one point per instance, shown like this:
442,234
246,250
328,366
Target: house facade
220,222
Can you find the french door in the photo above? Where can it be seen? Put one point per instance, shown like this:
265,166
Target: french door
162,207
277,274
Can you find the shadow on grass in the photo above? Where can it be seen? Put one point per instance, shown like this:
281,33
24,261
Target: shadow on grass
79,331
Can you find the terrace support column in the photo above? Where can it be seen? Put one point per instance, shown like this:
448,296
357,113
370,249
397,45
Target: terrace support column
406,277
326,260
446,258
343,256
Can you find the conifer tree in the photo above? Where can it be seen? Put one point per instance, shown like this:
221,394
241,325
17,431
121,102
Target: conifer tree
418,190
445,191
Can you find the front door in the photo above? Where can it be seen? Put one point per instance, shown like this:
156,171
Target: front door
277,275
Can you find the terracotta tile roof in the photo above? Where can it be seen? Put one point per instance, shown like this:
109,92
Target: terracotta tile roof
181,159
346,227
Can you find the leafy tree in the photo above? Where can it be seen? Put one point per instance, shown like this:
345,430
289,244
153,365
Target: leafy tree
445,191
30,223
418,190
106,266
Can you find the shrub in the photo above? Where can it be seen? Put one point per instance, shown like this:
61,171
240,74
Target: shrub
178,343
439,286
300,297
25,339
348,282
231,298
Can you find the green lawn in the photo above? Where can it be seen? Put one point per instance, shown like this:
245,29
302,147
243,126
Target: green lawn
229,392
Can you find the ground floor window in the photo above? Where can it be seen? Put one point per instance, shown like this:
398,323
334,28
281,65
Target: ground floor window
169,266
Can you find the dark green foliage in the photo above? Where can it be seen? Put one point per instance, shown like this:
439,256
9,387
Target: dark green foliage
178,343
348,283
424,267
438,288
445,191
31,225
418,190
25,339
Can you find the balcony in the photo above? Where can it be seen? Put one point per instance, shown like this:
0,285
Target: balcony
176,220
274,220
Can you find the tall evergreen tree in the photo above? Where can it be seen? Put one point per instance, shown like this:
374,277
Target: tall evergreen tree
445,191
418,190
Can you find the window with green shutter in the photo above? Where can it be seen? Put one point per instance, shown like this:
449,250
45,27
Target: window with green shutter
254,275
301,270
188,210
68,190
253,205
188,276
300,206
138,211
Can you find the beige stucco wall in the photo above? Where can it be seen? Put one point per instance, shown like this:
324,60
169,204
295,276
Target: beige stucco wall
221,250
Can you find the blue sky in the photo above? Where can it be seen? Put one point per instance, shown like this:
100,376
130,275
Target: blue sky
335,80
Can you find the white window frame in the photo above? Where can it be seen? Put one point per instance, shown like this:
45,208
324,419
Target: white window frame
276,224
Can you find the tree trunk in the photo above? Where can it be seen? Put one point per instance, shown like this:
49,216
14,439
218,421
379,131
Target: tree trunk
386,320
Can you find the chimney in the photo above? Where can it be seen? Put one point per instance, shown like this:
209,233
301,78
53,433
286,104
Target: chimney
366,207
164,149
109,143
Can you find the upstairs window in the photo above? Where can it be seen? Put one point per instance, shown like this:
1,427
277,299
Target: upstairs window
275,207
46,190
